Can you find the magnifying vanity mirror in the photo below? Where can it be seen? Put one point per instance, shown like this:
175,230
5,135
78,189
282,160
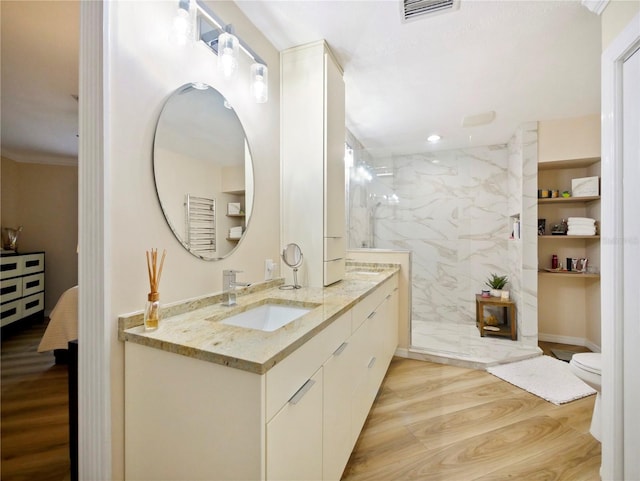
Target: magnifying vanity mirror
292,256
203,171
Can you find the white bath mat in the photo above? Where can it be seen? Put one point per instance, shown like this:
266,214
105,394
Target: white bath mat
544,376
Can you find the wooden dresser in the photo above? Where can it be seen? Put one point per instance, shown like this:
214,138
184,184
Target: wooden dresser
21,286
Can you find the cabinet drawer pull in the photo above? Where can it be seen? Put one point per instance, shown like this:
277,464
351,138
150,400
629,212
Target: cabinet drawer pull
372,362
371,315
341,348
388,297
9,267
9,312
302,391
8,289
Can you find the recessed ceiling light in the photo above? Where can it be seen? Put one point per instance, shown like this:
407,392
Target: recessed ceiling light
433,138
435,161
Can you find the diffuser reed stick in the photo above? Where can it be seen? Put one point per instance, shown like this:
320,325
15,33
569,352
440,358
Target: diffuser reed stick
152,310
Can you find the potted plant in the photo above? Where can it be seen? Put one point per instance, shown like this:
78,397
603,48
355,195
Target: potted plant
496,283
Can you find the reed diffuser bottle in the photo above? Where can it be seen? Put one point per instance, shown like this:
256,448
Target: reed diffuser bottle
152,308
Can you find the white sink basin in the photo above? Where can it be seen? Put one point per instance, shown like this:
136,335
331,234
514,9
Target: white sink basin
267,317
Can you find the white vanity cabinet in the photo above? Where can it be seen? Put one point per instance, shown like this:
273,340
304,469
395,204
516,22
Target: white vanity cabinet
337,439
191,419
374,341
313,137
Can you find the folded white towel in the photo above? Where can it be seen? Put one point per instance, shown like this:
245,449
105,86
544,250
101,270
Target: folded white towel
580,220
582,226
581,231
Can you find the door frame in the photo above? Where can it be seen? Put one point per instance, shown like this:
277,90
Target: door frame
614,392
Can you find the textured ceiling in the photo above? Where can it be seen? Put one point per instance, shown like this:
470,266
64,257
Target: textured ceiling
40,44
525,60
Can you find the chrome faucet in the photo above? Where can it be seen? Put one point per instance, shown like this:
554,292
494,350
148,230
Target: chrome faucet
229,285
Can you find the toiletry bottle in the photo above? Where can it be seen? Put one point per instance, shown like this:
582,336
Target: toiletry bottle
554,261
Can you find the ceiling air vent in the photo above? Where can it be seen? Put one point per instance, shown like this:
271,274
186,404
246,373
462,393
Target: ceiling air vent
412,9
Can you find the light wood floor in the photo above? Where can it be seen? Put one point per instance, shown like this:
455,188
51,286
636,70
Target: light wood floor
34,411
429,422
437,422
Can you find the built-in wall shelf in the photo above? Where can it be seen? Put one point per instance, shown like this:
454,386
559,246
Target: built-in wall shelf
235,215
568,164
575,275
568,200
566,237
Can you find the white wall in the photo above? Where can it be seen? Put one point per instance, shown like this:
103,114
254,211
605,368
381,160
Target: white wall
141,70
44,200
615,17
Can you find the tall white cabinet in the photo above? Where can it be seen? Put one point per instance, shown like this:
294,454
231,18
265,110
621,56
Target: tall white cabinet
313,136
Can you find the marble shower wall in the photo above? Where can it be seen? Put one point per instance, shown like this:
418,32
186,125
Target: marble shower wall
453,215
523,252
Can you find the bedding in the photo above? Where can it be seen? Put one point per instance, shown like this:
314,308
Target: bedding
63,323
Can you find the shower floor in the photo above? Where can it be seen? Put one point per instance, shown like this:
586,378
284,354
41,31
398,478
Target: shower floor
460,344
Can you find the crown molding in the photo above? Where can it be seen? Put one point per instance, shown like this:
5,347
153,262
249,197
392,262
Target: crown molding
595,6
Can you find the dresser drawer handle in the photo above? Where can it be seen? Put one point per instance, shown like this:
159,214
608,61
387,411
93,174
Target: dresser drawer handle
8,290
8,312
31,304
371,315
31,284
295,399
372,362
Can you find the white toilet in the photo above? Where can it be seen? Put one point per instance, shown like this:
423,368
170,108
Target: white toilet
588,367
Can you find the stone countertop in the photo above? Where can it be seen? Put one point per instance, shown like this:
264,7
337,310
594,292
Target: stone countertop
192,328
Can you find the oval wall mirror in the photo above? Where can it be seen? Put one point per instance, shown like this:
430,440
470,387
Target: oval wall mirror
203,171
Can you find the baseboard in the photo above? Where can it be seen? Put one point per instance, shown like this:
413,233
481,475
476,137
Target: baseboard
402,352
576,341
593,347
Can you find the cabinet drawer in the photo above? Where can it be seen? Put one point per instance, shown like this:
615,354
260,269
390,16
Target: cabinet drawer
294,436
333,271
368,305
11,311
32,263
32,284
10,266
32,304
10,289
334,248
285,378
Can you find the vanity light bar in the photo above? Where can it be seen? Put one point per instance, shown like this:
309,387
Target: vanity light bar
207,18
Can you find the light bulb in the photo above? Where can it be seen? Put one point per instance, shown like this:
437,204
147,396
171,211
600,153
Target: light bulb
260,82
182,25
227,54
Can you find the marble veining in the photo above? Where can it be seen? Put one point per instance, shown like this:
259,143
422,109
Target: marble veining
454,214
192,328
